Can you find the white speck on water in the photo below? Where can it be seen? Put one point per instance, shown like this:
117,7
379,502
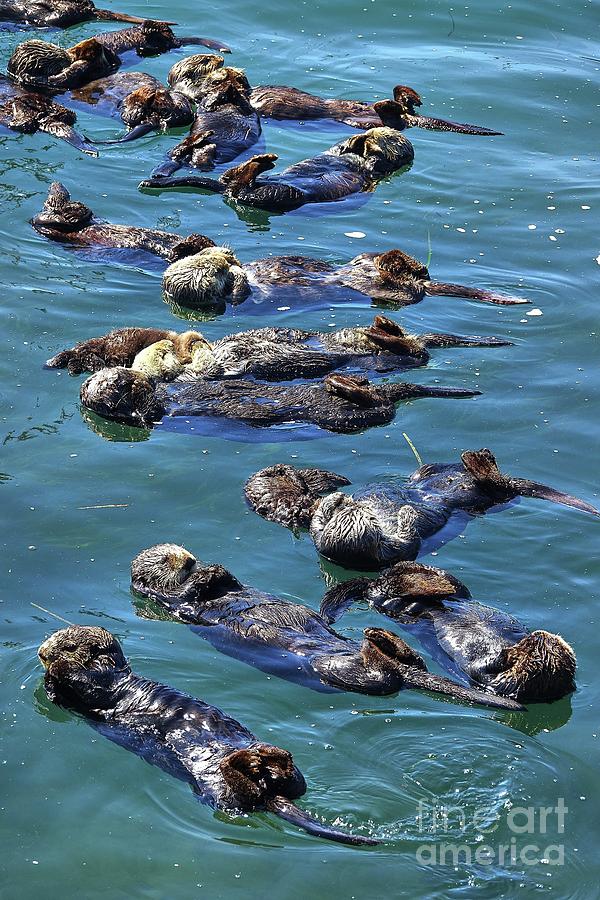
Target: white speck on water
354,234
283,308
559,231
586,207
534,312
532,227
552,238
462,230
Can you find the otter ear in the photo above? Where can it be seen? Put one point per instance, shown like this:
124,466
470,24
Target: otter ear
355,390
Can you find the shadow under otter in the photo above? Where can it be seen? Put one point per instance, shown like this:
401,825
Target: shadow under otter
352,166
28,112
391,278
339,403
226,766
386,523
58,13
493,649
269,354
256,627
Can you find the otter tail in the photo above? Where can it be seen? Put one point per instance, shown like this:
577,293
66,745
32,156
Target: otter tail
199,181
433,339
136,132
106,15
404,390
217,46
425,681
432,124
283,808
437,288
482,465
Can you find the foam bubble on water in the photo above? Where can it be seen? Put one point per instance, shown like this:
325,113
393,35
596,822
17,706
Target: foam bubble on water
354,234
534,312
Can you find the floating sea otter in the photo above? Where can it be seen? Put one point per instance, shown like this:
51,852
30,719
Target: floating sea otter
227,767
58,13
271,354
27,112
338,403
139,99
244,622
385,523
224,127
47,66
391,278
491,647
192,76
70,221
353,166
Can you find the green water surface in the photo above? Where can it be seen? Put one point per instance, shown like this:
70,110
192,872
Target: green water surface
80,816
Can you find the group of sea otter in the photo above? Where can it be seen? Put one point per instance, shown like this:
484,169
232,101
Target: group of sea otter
264,377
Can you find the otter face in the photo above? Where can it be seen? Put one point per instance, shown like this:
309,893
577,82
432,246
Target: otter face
123,395
81,647
158,361
540,668
163,567
203,278
61,213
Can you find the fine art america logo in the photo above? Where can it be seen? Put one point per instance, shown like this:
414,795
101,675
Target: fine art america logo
533,830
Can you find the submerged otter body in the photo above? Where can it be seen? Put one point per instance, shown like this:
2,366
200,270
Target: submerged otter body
281,102
245,622
350,167
386,523
338,403
493,649
226,766
69,221
57,13
27,112
139,99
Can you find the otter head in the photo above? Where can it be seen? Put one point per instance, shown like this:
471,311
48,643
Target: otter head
204,278
81,647
400,268
123,395
540,668
158,361
350,533
162,568
188,76
61,213
155,37
226,85
383,149
34,62
407,98
156,106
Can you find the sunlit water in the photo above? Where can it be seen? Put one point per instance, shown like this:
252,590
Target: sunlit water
519,213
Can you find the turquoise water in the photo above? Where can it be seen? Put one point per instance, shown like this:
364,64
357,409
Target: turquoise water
82,817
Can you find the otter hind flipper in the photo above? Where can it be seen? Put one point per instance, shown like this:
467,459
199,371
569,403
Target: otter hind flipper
283,808
482,465
242,177
257,774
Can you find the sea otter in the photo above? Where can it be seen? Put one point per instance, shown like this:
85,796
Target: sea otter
339,403
493,649
214,278
386,523
353,166
27,112
224,127
227,767
69,221
255,626
271,354
192,76
47,66
151,38
392,278
139,99
280,102
58,13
